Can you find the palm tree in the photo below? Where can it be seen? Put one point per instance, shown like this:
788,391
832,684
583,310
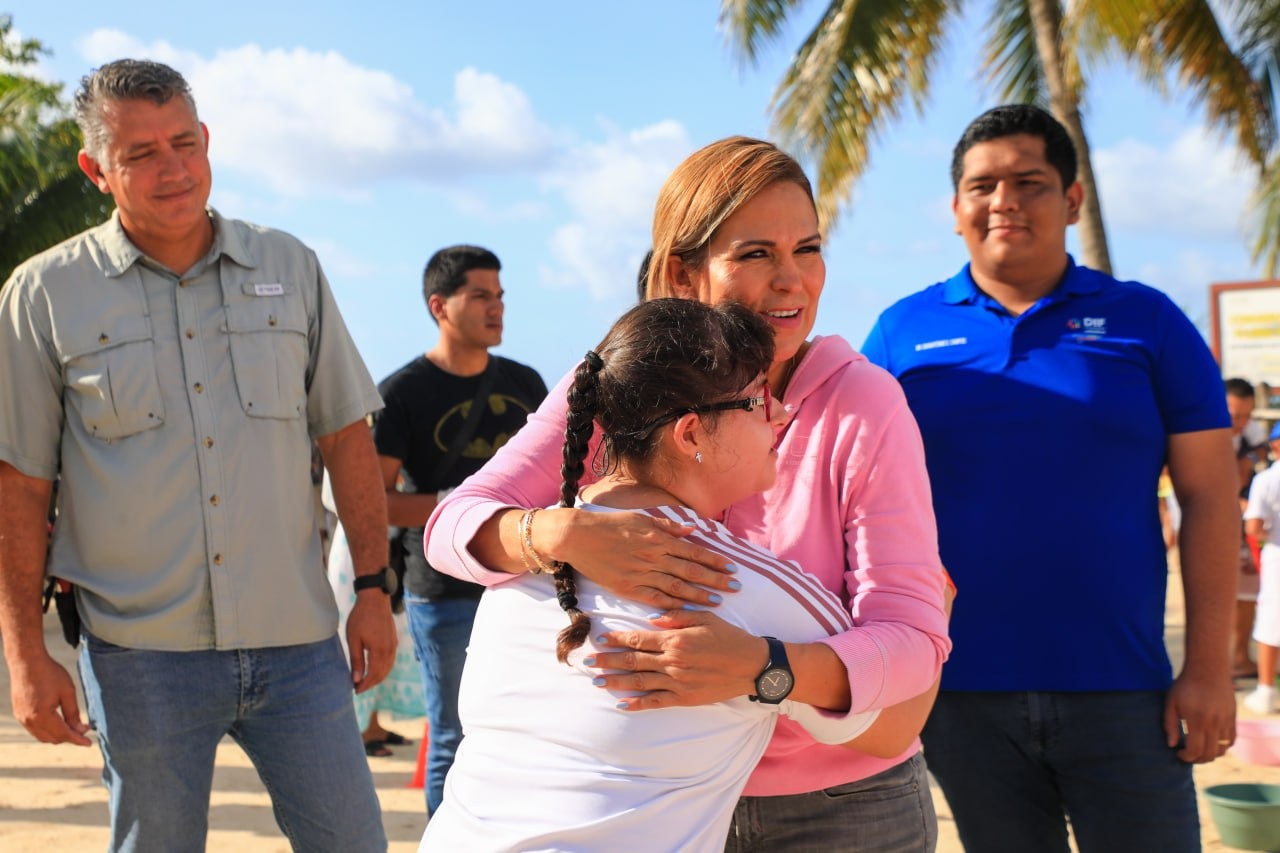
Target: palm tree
865,58
44,198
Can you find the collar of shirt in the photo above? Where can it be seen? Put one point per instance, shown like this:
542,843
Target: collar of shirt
118,253
961,289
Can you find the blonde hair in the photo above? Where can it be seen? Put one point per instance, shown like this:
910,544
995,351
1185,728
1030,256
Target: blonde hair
705,190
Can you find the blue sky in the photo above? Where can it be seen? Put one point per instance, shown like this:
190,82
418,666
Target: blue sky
379,132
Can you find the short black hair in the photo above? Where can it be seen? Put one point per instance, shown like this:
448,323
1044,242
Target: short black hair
1238,387
1012,120
447,269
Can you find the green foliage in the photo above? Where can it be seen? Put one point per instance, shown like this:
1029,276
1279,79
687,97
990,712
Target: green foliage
867,59
44,197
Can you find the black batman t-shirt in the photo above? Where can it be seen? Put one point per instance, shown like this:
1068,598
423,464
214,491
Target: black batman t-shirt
425,408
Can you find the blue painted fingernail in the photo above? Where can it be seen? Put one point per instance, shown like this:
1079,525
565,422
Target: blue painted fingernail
691,607
716,598
621,706
598,681
657,615
589,660
602,640
731,568
735,585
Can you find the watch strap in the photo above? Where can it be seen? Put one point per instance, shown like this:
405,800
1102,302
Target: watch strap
375,580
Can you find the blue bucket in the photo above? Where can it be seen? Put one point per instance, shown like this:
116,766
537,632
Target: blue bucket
1247,815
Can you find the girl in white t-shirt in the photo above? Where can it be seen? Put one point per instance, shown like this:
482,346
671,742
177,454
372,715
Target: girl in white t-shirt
549,761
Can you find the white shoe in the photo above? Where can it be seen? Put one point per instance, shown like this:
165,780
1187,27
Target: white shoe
1262,700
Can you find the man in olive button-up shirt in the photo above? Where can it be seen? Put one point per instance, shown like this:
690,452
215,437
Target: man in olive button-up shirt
171,368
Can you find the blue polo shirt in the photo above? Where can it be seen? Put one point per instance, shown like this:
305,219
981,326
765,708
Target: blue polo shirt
1044,437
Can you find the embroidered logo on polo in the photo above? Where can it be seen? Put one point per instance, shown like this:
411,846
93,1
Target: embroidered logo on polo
938,344
1087,328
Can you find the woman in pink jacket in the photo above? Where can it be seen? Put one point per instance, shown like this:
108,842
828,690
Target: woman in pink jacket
737,220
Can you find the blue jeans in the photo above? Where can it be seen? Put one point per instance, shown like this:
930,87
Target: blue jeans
441,630
1014,766
160,716
891,812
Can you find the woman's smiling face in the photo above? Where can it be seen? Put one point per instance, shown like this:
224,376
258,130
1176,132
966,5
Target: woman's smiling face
768,256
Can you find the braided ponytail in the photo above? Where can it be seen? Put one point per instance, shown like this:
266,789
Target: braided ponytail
584,401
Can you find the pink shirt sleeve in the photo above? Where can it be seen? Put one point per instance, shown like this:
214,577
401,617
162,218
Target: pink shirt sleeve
894,575
852,505
524,473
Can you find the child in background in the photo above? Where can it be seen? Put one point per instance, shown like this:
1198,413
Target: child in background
1262,522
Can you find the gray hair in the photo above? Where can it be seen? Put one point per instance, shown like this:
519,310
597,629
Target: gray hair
124,80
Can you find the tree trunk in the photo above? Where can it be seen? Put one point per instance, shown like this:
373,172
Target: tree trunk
1064,103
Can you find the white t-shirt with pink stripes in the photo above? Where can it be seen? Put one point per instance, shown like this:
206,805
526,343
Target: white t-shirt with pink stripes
549,763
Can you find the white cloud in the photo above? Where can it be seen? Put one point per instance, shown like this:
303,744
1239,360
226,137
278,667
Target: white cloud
1185,277
338,261
1195,187
303,120
610,188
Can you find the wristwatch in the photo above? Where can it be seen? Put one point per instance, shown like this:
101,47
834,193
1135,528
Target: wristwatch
774,683
384,579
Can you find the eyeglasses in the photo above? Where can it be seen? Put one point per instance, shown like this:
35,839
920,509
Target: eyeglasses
746,404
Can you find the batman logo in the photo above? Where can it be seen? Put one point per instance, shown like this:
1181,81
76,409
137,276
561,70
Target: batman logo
505,415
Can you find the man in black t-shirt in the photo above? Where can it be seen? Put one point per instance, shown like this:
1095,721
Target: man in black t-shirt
448,412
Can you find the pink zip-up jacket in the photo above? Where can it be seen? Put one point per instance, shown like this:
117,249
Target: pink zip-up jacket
851,505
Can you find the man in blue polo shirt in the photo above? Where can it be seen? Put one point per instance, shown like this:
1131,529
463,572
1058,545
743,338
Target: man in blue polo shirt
1049,396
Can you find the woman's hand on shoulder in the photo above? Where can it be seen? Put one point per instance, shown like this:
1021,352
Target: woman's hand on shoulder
636,556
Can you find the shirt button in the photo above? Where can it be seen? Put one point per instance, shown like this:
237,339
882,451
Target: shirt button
214,500
217,559
271,321
102,338
208,442
199,388
191,333
182,282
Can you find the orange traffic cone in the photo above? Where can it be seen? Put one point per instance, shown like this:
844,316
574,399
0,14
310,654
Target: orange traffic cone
420,772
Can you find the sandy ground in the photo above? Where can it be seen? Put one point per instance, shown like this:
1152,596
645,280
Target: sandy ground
51,798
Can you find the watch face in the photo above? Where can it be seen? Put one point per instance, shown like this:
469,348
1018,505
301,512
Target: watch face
774,685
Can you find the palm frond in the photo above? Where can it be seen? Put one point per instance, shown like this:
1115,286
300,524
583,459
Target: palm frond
1186,37
1266,231
749,25
1011,63
849,79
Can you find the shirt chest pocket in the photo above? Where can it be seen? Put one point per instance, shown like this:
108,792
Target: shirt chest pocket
268,340
112,381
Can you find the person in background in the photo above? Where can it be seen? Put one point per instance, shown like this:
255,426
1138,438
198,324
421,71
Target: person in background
1262,523
447,412
736,221
1248,437
172,367
400,693
1049,396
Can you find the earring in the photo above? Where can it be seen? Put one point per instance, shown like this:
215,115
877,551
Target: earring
697,457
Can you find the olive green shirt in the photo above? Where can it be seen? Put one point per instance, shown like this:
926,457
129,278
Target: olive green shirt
178,413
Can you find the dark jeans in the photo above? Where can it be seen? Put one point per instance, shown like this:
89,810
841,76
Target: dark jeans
891,812
1015,766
